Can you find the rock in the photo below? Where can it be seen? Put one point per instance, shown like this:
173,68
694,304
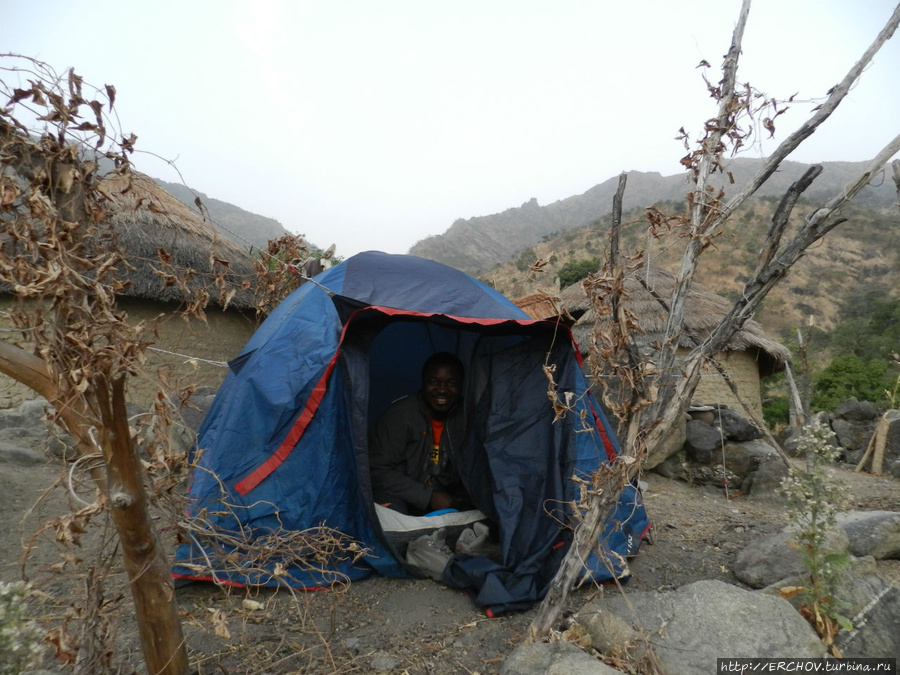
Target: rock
606,629
674,467
745,457
856,411
16,454
874,533
892,445
704,413
702,442
735,427
771,559
874,612
870,603
382,662
765,482
853,437
553,658
716,474
696,624
29,414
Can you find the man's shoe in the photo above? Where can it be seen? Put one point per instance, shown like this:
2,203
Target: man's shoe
430,553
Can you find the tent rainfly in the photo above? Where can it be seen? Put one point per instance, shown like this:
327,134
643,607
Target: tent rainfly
285,443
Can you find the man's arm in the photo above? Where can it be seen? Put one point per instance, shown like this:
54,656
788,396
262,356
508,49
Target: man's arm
389,453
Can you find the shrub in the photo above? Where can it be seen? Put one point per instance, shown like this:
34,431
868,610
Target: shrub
849,376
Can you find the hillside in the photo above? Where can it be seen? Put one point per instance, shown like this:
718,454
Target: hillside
860,258
480,243
242,227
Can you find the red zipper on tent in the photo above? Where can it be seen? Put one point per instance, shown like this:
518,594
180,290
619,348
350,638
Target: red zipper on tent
278,457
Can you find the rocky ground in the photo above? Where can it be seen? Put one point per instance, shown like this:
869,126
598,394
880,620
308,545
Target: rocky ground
417,627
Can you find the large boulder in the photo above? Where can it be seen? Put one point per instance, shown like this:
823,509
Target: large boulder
691,627
553,658
702,442
871,604
734,426
874,533
768,560
764,483
891,464
721,448
852,410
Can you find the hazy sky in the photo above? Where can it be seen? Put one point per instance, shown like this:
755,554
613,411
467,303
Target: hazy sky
374,124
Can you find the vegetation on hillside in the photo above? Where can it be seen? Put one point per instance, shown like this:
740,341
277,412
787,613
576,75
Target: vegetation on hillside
846,288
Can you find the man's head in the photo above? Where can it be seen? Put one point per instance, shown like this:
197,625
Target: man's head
442,377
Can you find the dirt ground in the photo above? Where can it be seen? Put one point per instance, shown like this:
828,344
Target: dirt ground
417,627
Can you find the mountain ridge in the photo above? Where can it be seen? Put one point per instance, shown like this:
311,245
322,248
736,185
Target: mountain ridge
477,244
241,226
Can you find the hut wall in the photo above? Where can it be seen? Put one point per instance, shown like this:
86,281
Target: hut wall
744,372
220,339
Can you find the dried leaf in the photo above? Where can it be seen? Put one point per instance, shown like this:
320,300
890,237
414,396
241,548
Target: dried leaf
220,624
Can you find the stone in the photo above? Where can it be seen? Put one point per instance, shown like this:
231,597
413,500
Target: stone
674,467
853,436
15,454
771,559
857,411
871,604
743,458
765,482
874,533
382,662
736,427
874,612
669,446
694,625
702,442
553,658
607,630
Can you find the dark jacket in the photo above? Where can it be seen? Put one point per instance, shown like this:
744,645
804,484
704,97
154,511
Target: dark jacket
400,453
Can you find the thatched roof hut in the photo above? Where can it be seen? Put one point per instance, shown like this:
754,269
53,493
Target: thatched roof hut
151,224
750,355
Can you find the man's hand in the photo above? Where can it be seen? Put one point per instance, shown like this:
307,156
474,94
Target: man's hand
440,500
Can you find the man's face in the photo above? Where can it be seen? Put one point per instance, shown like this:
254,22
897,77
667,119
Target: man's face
441,389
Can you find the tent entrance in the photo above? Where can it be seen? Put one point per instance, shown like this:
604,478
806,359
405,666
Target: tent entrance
518,457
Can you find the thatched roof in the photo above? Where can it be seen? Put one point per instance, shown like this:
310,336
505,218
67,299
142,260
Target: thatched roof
149,220
703,311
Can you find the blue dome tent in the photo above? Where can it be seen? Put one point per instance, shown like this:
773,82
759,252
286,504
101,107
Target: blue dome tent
285,443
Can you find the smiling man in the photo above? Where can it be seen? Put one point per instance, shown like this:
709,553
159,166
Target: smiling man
412,452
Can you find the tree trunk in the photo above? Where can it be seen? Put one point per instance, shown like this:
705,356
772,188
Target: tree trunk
145,562
585,540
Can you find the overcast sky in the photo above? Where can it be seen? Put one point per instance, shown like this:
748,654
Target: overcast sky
374,124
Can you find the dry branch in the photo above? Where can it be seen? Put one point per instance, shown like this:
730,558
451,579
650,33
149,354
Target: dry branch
666,389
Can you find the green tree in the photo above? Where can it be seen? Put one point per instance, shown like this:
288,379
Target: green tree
848,376
576,270
870,329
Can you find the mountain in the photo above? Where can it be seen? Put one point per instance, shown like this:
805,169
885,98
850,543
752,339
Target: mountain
857,261
233,222
478,244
